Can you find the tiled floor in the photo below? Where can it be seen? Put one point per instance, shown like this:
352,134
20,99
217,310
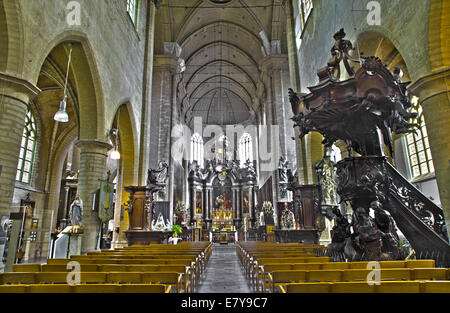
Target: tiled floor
224,273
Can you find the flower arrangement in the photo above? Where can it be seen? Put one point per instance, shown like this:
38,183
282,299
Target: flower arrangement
177,230
267,207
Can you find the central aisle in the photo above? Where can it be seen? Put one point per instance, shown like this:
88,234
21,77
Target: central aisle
224,273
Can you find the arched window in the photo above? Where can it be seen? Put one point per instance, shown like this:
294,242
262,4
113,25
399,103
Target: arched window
245,149
133,9
197,149
27,150
417,145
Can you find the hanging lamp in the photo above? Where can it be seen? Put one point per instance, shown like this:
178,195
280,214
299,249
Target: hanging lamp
62,116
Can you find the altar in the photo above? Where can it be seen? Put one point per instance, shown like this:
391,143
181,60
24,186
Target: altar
223,236
222,195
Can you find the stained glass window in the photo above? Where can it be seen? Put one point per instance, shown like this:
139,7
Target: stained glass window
27,150
245,148
197,149
418,146
132,9
301,16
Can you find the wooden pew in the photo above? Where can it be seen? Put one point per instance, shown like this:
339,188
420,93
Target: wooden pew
362,287
98,278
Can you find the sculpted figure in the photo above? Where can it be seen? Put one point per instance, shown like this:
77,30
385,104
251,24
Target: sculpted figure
76,211
158,176
386,225
366,241
283,166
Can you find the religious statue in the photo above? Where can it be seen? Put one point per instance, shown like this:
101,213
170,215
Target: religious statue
386,225
287,218
284,173
261,221
283,167
159,225
251,173
325,171
366,241
158,176
76,211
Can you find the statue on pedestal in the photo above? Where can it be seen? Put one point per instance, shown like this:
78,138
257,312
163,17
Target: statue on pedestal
76,213
158,176
283,174
261,221
287,218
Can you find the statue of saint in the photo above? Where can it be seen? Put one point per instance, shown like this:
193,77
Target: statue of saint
261,218
76,211
283,166
287,218
159,225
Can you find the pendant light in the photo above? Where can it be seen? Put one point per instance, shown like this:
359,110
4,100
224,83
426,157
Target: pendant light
62,116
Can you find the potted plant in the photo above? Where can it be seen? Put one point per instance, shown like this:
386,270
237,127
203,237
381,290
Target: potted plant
177,230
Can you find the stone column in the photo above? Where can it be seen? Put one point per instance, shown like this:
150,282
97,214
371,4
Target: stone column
93,155
15,94
275,67
164,69
433,92
144,154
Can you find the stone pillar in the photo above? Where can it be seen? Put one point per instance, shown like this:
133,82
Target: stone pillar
93,155
433,92
275,67
164,69
144,154
15,94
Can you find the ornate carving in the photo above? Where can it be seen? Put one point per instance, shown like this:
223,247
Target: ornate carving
372,99
283,176
326,180
429,213
287,219
157,178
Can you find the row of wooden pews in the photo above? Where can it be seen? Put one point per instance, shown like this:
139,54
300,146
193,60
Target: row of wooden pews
295,268
155,268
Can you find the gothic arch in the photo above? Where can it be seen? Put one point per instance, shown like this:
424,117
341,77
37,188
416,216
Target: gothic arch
85,79
11,38
128,164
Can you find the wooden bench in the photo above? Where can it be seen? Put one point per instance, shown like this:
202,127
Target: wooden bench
277,278
98,278
361,287
104,288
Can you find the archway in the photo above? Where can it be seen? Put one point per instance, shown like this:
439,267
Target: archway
127,174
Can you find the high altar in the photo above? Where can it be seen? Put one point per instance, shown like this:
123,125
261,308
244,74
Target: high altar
222,194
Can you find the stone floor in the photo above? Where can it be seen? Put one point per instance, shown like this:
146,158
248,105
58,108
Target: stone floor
224,273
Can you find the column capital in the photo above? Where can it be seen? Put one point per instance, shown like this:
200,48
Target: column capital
93,146
431,84
275,62
167,62
17,88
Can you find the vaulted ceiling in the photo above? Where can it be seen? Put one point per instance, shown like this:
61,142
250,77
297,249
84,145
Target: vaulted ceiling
223,43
